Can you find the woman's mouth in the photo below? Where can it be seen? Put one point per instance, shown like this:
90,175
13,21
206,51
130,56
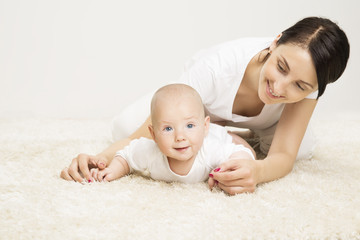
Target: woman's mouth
270,92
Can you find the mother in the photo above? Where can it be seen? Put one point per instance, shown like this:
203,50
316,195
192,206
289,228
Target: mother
270,86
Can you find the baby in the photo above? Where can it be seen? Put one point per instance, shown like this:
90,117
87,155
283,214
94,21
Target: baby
185,147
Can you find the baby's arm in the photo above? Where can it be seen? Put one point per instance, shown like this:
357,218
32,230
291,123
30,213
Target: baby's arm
242,155
117,169
240,141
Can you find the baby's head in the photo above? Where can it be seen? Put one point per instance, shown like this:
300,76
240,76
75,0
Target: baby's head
179,124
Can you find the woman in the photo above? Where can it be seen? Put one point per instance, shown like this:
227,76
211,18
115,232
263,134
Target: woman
268,86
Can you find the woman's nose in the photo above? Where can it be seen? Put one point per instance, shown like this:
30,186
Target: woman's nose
280,86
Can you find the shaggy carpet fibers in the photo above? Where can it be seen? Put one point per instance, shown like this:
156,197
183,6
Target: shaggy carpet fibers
319,199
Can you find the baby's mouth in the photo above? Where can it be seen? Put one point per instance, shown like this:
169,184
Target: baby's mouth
181,149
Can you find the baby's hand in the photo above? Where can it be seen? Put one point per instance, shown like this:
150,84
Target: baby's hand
94,172
98,174
104,175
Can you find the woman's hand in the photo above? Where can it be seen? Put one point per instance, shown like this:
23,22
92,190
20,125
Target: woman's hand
235,176
79,167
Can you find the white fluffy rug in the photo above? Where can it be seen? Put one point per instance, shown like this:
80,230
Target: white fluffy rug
320,199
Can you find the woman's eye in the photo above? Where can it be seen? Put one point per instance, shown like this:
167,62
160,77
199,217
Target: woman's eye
299,86
281,69
168,129
190,125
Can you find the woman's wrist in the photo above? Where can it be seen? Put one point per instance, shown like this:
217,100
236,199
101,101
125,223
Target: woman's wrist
260,171
274,167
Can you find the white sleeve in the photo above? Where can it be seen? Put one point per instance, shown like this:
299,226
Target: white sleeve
220,146
225,150
241,148
139,154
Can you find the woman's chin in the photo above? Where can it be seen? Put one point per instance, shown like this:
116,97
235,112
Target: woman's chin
264,99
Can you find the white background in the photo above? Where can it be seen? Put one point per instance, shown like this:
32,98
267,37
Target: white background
89,59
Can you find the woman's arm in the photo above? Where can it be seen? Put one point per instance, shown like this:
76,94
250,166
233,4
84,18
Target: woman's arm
287,139
143,131
79,167
242,175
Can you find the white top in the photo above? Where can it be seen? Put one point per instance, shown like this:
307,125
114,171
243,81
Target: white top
143,155
216,73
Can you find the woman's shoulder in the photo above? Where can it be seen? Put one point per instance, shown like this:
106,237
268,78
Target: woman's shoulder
228,57
247,41
241,45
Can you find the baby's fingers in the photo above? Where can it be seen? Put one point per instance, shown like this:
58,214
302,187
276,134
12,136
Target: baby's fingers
211,181
94,173
103,175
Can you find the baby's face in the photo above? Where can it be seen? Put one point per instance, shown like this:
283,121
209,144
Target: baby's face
180,128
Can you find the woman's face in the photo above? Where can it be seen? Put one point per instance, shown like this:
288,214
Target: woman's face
287,76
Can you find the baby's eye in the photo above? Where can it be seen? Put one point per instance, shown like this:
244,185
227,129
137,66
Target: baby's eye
190,125
168,129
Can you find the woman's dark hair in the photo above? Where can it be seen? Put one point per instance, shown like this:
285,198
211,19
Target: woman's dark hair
327,44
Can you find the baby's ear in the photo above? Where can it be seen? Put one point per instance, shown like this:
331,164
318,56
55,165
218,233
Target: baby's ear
207,124
151,130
